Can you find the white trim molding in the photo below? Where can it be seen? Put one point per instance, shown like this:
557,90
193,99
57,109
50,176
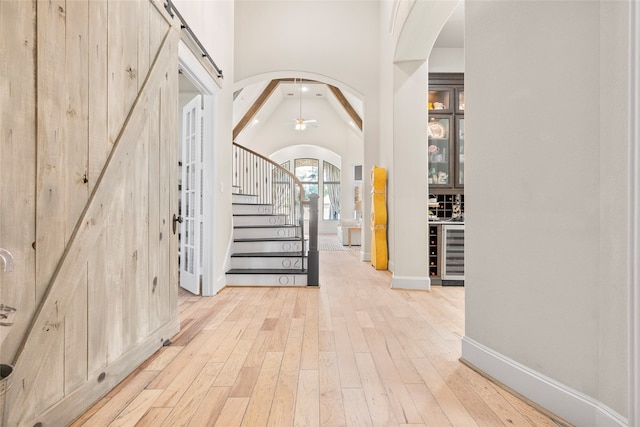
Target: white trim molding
557,398
414,283
193,69
634,215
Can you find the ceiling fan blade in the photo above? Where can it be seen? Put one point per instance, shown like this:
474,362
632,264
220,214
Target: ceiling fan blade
310,121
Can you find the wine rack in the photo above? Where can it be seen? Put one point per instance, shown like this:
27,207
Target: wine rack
433,251
444,210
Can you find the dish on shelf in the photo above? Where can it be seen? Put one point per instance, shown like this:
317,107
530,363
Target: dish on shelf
436,130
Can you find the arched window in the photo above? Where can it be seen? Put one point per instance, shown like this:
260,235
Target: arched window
306,170
331,193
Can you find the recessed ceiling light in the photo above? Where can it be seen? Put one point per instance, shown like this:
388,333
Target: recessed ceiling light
289,94
318,94
304,88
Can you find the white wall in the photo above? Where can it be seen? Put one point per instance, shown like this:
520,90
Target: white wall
335,41
446,60
546,191
614,235
212,22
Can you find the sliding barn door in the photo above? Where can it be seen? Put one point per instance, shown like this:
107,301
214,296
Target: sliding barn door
88,199
191,197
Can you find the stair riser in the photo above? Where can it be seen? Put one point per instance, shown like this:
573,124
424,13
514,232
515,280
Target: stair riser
259,220
244,198
267,232
269,262
266,280
252,209
263,247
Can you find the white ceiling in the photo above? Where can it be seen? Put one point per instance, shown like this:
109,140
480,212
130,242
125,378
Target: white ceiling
452,34
306,100
287,95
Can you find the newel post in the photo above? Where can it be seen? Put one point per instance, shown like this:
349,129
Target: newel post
313,260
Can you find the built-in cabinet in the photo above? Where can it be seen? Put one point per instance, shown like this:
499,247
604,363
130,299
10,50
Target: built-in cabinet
446,131
446,253
446,176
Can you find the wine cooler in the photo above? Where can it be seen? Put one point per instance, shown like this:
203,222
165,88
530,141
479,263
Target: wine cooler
453,254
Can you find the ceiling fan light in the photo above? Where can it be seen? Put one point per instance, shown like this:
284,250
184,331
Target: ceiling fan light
300,126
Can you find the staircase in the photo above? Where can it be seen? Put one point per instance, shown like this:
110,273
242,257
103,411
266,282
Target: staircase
268,237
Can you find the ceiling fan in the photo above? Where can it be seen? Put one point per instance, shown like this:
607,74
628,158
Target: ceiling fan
301,124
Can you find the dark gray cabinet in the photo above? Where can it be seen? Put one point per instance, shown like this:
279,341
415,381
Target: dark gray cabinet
446,131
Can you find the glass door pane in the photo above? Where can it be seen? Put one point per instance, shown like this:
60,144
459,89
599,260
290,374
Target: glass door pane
439,164
460,152
460,101
440,100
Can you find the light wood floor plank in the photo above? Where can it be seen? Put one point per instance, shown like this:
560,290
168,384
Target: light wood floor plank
258,348
427,406
403,407
163,357
128,390
309,357
154,417
355,408
232,412
257,413
234,363
349,376
352,352
375,391
446,398
194,396
210,408
307,402
331,403
284,398
135,410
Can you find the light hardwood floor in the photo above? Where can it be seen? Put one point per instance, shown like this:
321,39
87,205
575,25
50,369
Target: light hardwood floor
352,352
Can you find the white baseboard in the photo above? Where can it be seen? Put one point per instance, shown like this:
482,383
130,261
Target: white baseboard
416,283
365,256
559,399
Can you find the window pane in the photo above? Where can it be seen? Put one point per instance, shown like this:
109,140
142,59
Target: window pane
306,170
331,202
309,189
331,172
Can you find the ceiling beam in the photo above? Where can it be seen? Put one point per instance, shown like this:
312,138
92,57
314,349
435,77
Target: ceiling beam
347,106
271,87
253,110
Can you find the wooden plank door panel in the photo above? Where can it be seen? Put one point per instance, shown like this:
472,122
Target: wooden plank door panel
17,168
106,261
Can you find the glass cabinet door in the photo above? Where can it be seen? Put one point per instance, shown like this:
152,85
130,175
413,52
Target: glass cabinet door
439,132
460,167
440,100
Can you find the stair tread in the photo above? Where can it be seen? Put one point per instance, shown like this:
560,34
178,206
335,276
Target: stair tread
268,239
259,214
268,254
250,204
244,194
267,226
265,271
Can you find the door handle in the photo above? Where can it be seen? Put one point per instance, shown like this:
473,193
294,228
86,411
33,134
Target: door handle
176,219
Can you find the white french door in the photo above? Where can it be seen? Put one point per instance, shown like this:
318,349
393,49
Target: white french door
191,197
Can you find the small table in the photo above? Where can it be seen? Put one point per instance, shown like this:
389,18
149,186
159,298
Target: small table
351,229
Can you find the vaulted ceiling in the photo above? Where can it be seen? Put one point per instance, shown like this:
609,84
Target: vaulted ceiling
253,105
